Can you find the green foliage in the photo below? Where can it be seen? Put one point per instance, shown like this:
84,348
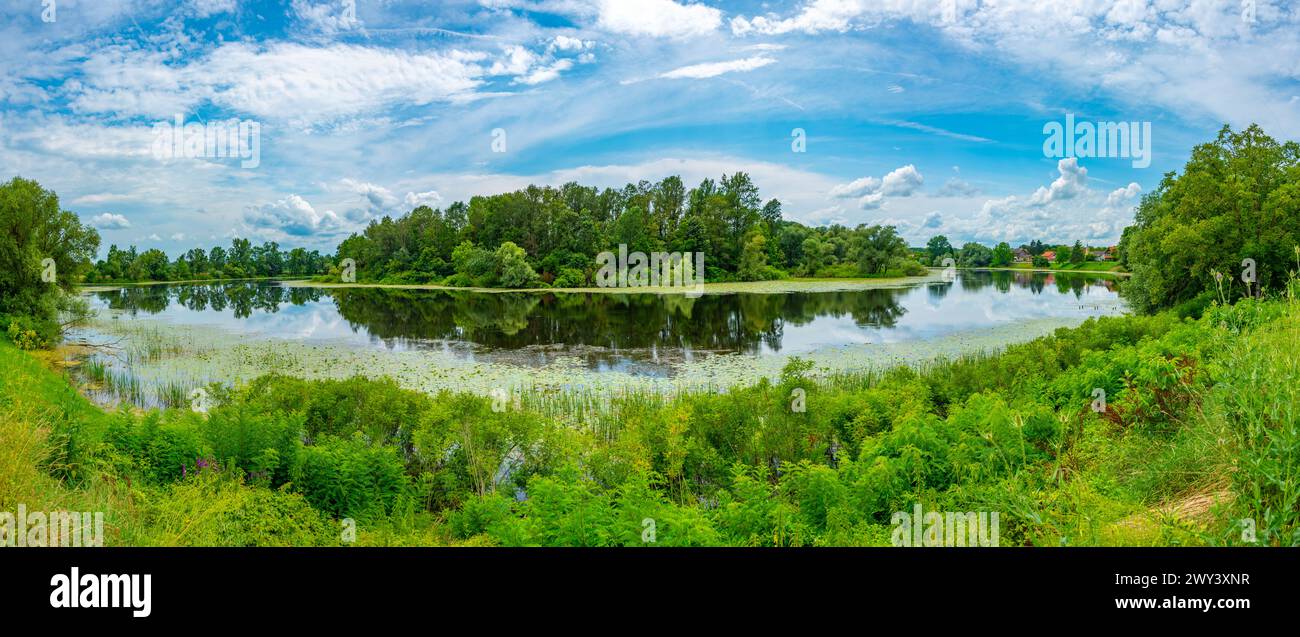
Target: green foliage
26,333
974,255
44,251
1002,255
352,479
243,260
938,248
1237,198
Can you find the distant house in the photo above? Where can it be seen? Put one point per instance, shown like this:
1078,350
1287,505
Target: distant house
1023,256
1050,255
1107,255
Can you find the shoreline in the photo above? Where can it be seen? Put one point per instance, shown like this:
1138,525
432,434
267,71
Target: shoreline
737,287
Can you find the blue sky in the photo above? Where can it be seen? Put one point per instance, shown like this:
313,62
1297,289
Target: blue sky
927,115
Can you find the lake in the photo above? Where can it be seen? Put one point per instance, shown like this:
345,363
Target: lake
192,334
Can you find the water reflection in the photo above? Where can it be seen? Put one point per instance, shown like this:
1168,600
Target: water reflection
632,332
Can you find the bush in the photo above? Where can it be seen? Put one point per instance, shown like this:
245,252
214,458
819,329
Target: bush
349,478
570,278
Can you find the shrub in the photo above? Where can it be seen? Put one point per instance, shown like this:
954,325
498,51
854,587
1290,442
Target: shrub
349,478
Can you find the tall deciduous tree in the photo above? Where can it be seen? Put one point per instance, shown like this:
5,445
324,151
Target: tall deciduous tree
1237,198
44,251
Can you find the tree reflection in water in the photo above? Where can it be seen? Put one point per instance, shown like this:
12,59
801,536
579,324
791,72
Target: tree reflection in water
603,329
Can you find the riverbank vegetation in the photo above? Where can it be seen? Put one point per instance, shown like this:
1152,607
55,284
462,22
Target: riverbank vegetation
1195,411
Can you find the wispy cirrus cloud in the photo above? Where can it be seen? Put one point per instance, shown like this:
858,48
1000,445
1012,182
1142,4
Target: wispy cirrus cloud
714,69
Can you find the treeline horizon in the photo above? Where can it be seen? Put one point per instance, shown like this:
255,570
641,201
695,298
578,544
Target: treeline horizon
551,236
542,236
242,260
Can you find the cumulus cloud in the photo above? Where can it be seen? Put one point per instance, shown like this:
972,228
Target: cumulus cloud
856,188
110,221
902,182
871,192
293,216
871,201
657,18
417,199
932,220
568,44
817,15
1070,184
1118,196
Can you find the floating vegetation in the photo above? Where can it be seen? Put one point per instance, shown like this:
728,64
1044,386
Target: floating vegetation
587,376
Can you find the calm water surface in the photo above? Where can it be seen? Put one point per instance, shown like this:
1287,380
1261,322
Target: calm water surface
637,333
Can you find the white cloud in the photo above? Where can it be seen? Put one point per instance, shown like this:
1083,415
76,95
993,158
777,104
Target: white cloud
1120,195
101,198
376,200
657,18
546,73
179,236
856,188
818,15
902,182
1196,57
871,201
292,216
281,81
871,192
326,17
110,221
417,199
568,44
1069,185
517,61
714,69
933,220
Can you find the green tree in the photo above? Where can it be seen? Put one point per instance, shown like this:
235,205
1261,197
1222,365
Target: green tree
938,247
513,270
975,255
40,241
1002,255
1076,253
1237,198
877,248
753,260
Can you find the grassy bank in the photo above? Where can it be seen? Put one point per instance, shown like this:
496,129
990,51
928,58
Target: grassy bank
1198,433
1091,267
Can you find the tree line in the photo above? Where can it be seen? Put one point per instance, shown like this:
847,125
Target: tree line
549,236
241,260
